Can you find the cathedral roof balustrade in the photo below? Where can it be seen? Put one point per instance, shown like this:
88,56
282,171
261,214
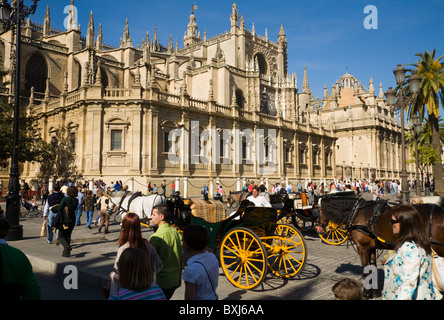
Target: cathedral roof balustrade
44,44
168,97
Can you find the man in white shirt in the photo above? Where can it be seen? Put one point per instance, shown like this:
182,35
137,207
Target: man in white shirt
257,199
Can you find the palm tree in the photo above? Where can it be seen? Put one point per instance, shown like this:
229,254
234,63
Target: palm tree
427,103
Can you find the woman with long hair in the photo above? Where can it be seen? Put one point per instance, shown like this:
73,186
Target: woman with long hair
131,236
408,271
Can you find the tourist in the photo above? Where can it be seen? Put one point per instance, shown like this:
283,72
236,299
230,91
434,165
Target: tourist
50,210
88,205
16,272
375,191
163,186
131,236
168,244
65,219
45,194
205,191
408,271
202,271
136,277
79,209
257,199
104,215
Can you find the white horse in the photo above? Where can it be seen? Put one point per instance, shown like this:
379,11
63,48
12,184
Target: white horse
140,205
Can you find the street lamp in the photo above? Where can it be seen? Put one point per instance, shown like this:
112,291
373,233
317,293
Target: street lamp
416,129
401,104
12,17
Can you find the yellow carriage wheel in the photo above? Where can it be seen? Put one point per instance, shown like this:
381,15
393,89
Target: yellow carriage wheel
292,219
334,234
287,252
243,258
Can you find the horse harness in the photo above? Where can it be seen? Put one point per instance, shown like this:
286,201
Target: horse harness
133,196
378,209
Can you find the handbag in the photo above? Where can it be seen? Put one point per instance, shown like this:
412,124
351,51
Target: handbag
111,288
438,270
44,230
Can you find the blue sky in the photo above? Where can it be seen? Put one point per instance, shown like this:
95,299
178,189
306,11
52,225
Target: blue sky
327,36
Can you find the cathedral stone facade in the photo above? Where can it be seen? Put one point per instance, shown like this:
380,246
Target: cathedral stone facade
213,109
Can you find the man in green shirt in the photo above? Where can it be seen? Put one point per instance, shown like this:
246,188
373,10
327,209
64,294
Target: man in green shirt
17,280
168,244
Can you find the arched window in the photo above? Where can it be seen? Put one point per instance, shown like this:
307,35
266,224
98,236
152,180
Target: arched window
262,63
104,76
240,100
36,73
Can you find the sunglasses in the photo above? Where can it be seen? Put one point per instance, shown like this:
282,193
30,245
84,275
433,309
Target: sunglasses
394,221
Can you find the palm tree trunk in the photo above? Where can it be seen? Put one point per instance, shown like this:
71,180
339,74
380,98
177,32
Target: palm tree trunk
437,167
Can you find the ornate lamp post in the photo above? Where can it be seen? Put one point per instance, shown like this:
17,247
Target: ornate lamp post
401,104
416,129
12,17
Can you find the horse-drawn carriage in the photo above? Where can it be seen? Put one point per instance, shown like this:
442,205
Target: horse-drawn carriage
294,208
248,243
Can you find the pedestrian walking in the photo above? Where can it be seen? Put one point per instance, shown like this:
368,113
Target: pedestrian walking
88,205
50,210
79,209
104,215
65,219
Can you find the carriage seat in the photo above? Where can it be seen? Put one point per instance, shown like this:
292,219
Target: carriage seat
212,211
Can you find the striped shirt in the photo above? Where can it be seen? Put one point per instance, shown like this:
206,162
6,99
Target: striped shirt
152,293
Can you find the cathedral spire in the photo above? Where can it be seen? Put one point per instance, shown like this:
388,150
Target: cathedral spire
126,40
305,86
234,17
170,45
72,18
191,36
90,33
282,39
99,42
47,23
